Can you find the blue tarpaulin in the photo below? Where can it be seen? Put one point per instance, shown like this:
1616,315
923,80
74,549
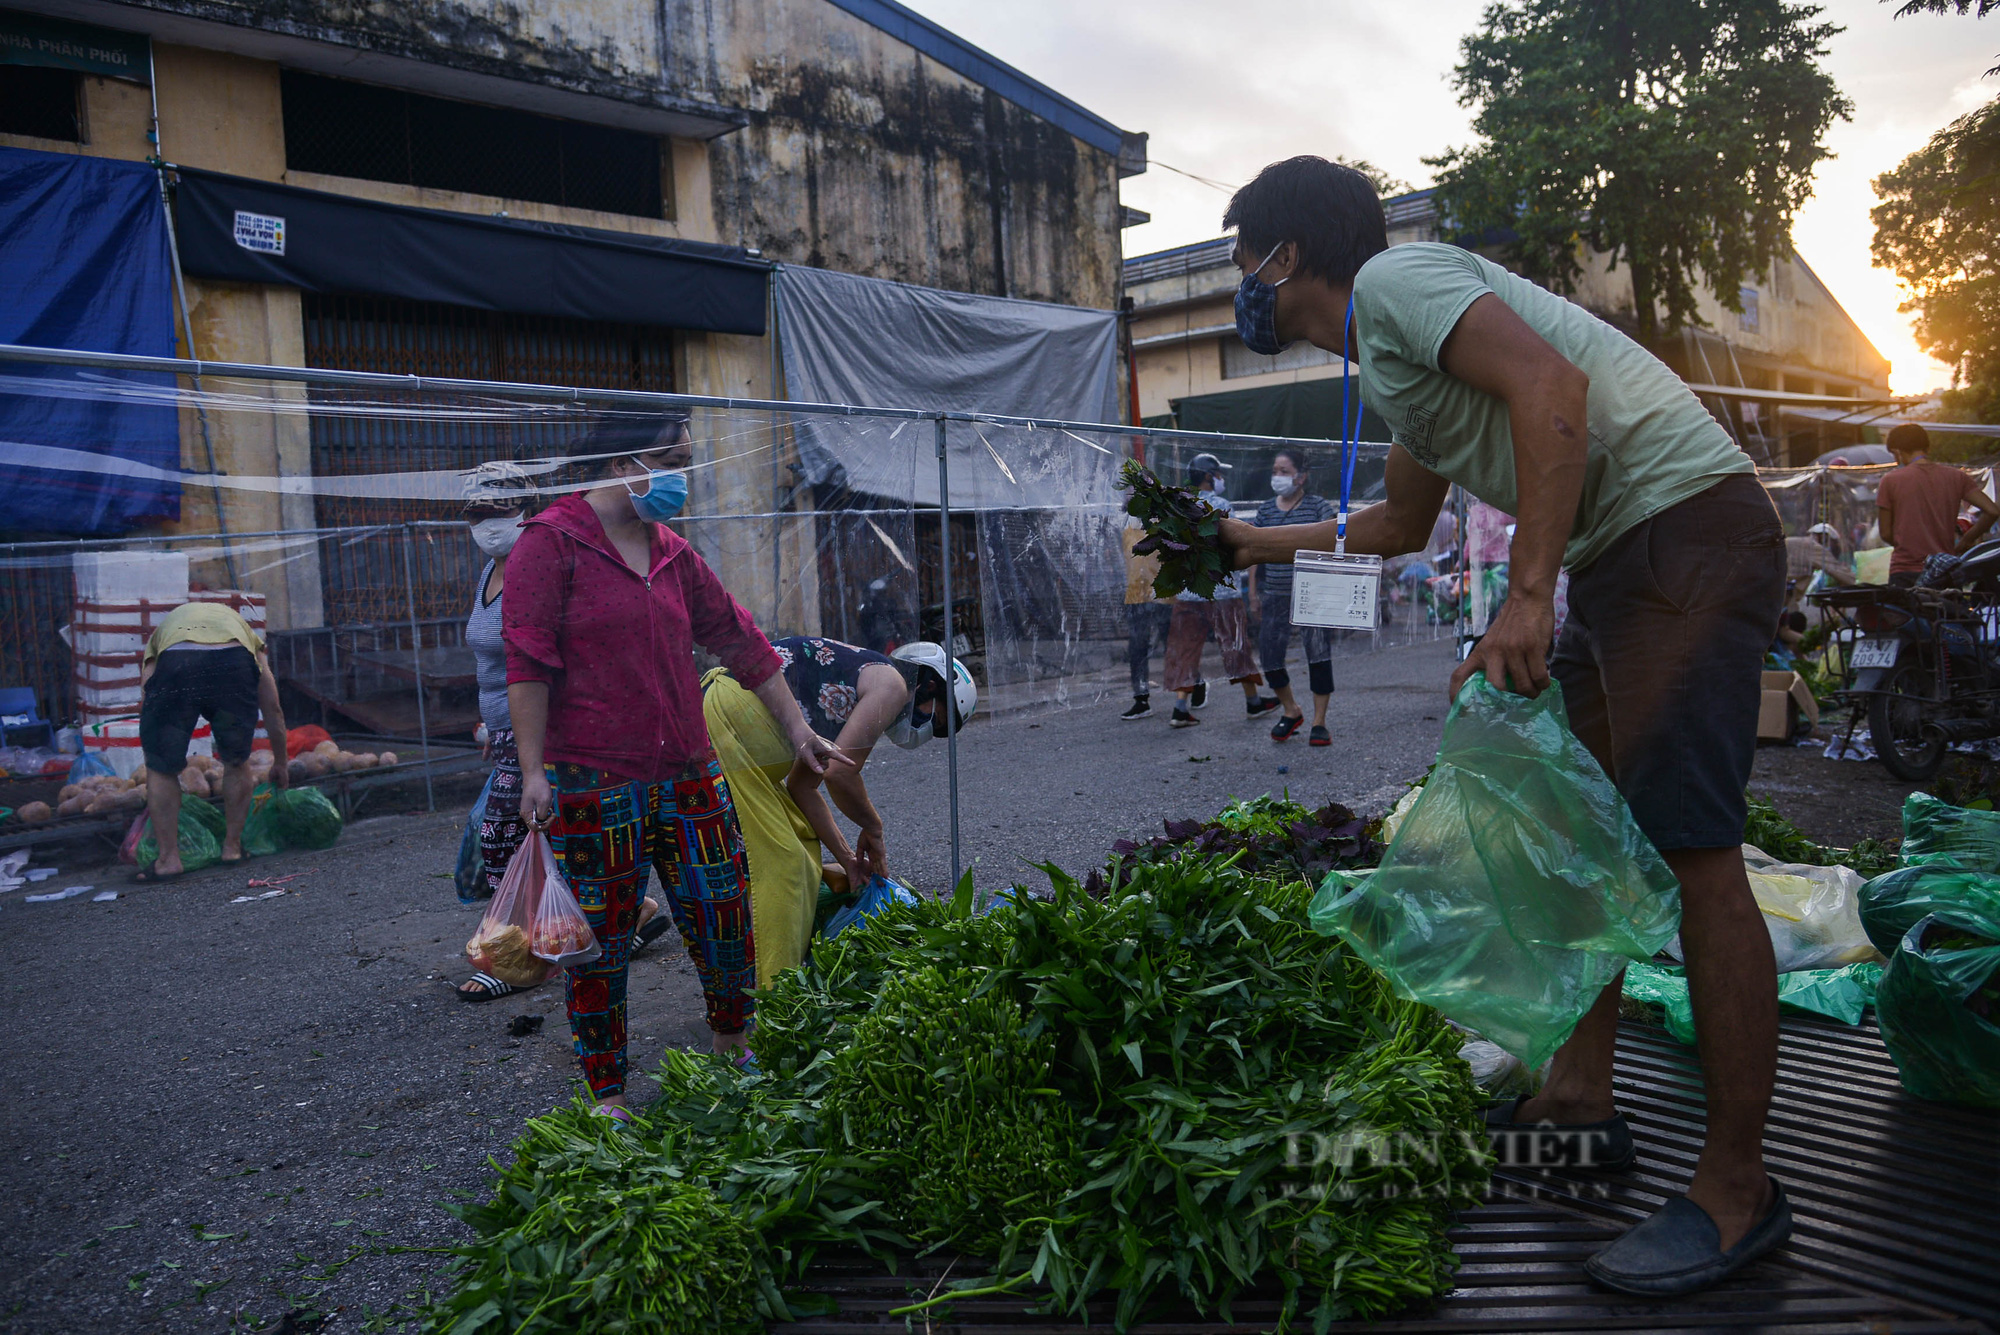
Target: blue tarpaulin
84,263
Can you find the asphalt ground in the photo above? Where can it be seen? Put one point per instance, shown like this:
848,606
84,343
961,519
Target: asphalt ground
215,1114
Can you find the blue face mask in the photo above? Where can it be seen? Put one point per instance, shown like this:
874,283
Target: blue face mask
1257,311
666,492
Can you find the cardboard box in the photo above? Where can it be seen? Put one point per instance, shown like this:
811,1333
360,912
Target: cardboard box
1774,715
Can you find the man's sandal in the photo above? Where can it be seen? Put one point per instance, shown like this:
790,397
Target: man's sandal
488,988
1678,1250
1604,1147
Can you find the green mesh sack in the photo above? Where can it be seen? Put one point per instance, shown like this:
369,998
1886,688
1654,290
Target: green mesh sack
303,818
1892,904
1939,1008
1938,834
1517,887
199,848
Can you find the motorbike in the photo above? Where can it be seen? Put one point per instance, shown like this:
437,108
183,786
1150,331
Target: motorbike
1922,664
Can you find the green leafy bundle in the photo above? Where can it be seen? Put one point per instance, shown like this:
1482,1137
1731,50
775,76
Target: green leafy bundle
1178,1088
1181,529
589,1229
1770,831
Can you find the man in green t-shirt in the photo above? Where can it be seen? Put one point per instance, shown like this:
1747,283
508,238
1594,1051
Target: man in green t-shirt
1676,558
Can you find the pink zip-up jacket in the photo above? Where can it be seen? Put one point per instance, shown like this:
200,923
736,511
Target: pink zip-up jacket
617,648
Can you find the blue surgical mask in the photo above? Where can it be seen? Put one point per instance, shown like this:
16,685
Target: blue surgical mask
1257,310
666,492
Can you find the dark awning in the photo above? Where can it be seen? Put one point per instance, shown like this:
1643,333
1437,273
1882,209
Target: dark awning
251,231
1308,408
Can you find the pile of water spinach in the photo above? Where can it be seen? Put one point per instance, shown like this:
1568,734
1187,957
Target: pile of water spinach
1173,1090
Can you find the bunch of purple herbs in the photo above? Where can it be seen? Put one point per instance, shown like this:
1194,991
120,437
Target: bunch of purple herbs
1275,837
1181,529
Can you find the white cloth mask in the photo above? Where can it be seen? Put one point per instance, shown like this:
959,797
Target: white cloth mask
496,537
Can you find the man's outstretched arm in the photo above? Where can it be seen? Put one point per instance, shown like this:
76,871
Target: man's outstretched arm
1402,523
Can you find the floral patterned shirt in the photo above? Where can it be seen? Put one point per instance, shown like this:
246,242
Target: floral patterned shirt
825,678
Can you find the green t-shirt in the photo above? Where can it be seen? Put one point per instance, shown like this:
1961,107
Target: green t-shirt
1652,444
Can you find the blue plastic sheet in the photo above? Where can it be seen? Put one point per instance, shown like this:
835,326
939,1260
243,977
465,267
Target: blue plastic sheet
84,265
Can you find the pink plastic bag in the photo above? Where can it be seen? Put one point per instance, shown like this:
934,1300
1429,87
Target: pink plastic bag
532,923
128,851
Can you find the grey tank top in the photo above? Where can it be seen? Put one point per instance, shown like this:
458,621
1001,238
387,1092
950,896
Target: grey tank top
489,652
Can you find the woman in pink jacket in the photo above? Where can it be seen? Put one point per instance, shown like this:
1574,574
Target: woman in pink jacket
604,608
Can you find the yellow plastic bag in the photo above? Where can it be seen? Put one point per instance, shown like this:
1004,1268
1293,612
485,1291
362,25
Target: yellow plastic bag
784,851
1812,913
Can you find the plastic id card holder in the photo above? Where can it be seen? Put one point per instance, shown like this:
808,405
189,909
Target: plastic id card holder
1338,590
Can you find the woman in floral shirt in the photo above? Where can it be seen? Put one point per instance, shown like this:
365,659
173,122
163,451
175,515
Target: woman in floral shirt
849,696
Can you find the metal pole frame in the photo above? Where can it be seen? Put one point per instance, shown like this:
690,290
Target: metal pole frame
949,703
417,658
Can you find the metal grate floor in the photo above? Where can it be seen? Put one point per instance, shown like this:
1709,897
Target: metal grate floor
1896,1203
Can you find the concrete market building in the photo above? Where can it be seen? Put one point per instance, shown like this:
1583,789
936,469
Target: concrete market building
848,135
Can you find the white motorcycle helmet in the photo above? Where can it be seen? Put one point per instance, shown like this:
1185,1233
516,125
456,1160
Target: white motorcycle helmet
923,662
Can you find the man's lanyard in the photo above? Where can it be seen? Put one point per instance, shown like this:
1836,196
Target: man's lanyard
1350,432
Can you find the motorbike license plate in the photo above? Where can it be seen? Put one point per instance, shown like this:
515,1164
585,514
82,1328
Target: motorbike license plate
1876,653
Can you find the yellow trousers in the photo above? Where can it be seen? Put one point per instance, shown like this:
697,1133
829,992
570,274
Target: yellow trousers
784,851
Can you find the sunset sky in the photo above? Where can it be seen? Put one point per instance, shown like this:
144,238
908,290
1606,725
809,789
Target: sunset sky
1225,89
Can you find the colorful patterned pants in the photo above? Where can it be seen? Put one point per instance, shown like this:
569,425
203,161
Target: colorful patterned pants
606,832
501,830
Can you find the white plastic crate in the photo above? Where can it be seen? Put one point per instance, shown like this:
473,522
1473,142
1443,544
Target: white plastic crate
114,577
117,740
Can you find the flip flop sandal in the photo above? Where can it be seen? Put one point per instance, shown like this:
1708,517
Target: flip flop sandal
1603,1147
1678,1250
147,876
489,989
619,1116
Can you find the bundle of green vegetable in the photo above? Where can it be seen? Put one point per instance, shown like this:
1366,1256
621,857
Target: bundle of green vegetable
1181,529
1178,1088
1770,831
1273,836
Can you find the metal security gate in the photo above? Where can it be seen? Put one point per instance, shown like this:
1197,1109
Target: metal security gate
364,581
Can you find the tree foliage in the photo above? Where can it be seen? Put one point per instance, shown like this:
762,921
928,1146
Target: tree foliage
1938,229
1676,136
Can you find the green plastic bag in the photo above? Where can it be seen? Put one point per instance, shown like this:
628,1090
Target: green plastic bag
260,830
1939,1008
1517,886
1893,903
1938,834
1842,994
303,818
199,848
209,814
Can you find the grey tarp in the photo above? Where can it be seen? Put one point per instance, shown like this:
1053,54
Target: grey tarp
867,341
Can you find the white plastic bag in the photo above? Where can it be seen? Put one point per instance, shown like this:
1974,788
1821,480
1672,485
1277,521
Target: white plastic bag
1498,1071
1812,913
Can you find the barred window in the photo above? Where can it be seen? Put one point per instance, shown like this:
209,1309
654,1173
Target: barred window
384,134
41,102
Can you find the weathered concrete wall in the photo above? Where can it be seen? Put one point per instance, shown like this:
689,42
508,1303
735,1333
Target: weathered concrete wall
864,156
252,323
861,154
